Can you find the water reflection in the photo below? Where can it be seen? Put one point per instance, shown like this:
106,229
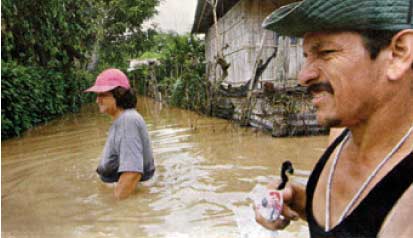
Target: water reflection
207,172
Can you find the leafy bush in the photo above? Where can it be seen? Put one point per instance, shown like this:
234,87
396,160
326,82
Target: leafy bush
44,48
46,45
53,34
181,71
32,95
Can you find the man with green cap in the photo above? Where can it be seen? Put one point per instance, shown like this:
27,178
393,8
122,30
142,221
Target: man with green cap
359,71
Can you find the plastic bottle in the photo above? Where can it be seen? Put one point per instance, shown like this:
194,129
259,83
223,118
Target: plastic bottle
269,205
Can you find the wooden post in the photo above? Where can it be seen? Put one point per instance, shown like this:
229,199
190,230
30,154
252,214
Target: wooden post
219,59
259,68
155,91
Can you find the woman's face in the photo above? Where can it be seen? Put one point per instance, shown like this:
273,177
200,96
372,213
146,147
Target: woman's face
106,103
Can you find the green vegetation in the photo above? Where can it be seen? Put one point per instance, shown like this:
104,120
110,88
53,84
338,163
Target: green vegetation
32,94
53,50
119,32
47,47
44,48
181,73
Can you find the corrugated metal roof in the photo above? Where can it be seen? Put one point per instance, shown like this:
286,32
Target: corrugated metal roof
203,15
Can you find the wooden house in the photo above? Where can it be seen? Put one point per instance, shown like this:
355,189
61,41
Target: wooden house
279,104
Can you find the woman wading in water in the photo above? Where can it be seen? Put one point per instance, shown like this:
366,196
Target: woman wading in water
127,156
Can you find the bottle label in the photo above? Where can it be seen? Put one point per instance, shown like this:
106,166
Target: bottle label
270,205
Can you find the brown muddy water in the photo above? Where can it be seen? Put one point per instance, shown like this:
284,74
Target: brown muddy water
208,171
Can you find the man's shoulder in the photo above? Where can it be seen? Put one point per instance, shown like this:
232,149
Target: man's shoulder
398,221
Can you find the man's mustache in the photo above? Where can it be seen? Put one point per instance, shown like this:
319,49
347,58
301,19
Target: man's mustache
318,87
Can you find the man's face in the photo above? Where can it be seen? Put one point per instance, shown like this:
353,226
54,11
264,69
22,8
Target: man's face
340,76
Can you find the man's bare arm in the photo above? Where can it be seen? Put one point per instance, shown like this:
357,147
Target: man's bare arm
398,221
299,200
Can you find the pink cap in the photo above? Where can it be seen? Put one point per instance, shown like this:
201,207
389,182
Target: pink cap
108,80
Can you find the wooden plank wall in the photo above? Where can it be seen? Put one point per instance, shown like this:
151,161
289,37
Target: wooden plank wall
241,37
232,30
242,32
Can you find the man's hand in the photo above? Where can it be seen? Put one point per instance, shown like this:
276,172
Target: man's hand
294,207
126,184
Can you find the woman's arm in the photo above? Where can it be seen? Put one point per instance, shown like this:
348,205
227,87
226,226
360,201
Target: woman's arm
126,184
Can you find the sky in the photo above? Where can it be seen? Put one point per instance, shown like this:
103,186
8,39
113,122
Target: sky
175,15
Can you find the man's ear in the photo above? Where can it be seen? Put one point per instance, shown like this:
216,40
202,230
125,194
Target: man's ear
401,48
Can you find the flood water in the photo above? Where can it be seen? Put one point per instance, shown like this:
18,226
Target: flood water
207,172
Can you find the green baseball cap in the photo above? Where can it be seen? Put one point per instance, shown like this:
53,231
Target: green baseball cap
297,18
